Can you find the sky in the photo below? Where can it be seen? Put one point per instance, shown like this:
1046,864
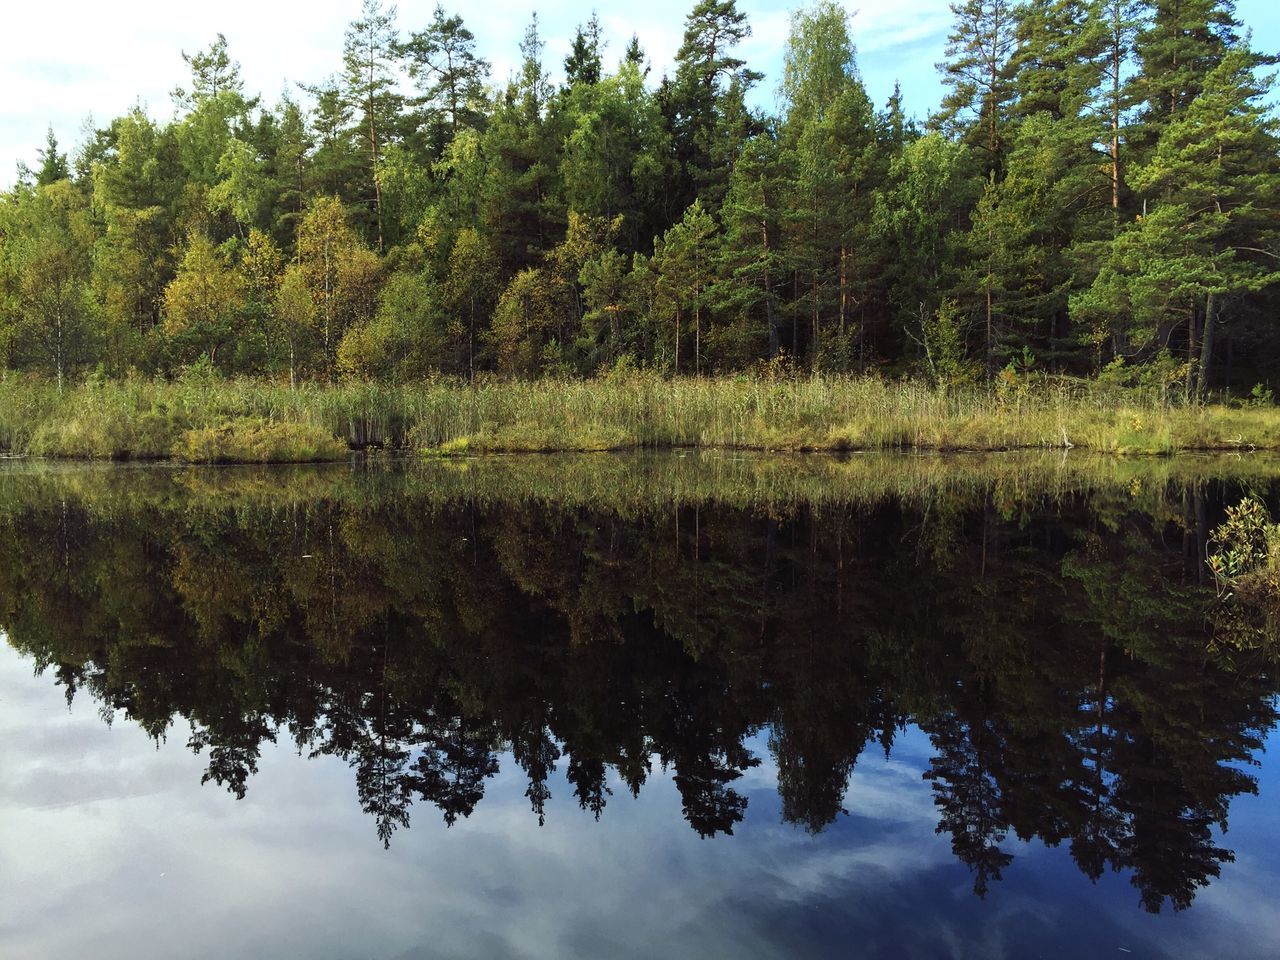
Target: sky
97,60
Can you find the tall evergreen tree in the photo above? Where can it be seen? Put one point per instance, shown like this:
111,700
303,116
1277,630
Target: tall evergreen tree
369,87
442,60
978,70
523,204
683,261
752,272
1210,234
53,165
1177,47
705,99
584,62
830,134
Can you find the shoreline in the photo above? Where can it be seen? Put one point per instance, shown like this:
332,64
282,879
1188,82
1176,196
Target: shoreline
250,421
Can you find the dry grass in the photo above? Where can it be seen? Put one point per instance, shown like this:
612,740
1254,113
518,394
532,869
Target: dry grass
142,419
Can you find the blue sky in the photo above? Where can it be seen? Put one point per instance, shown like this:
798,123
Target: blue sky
99,59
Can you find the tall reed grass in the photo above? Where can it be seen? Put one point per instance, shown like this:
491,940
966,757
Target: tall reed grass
145,419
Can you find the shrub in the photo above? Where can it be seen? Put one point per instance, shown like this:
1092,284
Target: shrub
258,441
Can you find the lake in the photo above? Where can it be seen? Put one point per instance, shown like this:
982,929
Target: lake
630,706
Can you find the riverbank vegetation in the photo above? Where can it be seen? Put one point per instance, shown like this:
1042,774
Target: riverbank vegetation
1095,197
203,420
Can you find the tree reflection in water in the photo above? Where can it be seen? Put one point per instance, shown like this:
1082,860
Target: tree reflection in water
1052,639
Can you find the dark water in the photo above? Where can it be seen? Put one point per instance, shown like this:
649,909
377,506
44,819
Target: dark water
681,707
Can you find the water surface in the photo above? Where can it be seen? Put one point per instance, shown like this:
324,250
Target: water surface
632,706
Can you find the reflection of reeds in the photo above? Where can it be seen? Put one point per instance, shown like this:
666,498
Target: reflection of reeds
148,419
640,483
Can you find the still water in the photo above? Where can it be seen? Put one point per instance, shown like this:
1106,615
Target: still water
679,706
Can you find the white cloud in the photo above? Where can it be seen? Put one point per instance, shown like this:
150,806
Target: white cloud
102,59
86,57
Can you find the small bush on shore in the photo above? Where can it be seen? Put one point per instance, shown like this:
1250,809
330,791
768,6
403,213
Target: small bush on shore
258,441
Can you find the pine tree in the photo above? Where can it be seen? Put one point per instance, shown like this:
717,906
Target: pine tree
583,64
53,165
683,263
136,190
450,76
1216,177
523,203
978,70
1120,25
752,268
1058,62
829,140
335,164
369,87
709,89
1177,48
213,73
290,167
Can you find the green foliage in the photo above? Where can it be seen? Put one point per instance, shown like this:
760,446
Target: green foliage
978,70
1099,184
1260,396
945,350
258,441
1242,543
404,339
442,60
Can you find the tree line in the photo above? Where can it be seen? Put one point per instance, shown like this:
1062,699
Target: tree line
1096,194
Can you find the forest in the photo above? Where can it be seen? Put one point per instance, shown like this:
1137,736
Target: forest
1095,196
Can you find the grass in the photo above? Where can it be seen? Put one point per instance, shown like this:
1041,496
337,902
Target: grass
266,422
258,441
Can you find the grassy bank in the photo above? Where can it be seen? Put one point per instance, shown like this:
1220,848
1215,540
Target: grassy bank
262,422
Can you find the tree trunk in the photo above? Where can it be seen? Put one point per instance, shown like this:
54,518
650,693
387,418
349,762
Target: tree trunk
328,308
795,318
1117,56
373,147
991,354
697,340
58,350
453,98
677,341
1191,354
770,317
1226,377
844,288
813,347
1206,343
